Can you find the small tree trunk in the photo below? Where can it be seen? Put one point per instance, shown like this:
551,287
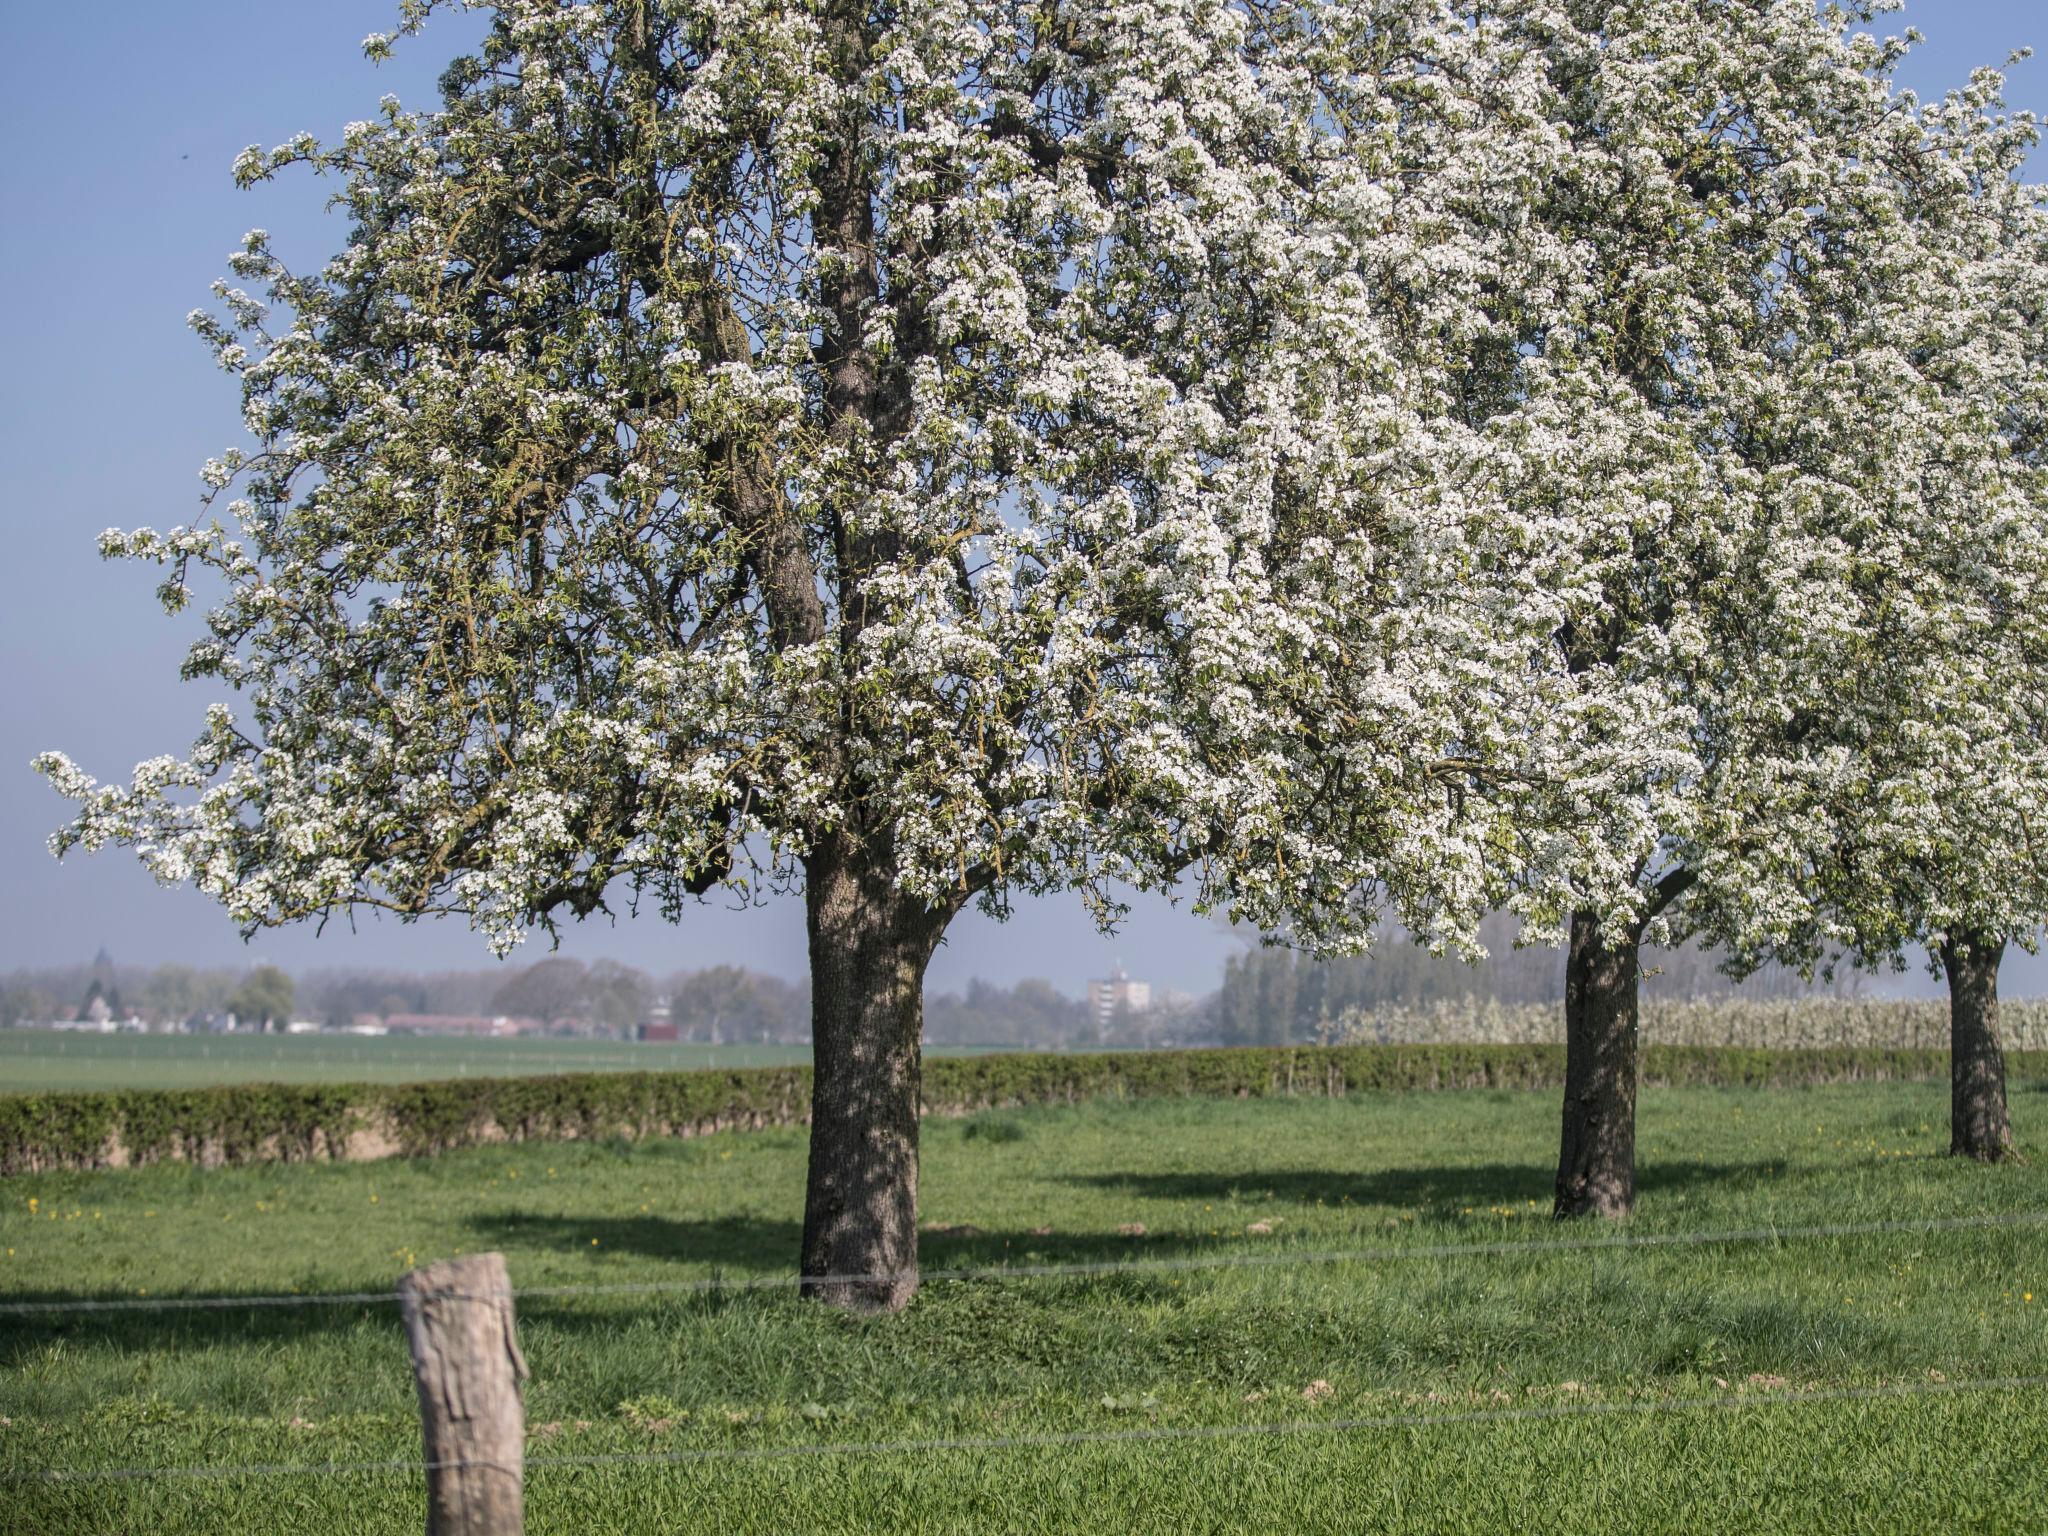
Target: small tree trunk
1978,1125
869,946
1596,1165
467,1366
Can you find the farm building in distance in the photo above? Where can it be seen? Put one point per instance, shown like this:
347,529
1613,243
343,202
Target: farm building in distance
660,1028
458,1024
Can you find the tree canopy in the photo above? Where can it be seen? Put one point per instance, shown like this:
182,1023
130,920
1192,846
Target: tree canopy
732,422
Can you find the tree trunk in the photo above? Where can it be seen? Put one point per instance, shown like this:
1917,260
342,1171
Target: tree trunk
1596,1165
869,945
1978,1126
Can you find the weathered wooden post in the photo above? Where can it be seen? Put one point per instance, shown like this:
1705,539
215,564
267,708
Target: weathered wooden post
466,1362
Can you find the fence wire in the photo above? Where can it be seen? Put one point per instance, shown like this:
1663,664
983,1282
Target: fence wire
1055,1440
1139,1268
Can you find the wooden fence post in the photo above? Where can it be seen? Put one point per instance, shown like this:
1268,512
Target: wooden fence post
466,1362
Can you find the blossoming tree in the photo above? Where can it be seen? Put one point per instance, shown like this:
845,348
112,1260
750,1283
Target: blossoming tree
1743,171
914,454
1928,719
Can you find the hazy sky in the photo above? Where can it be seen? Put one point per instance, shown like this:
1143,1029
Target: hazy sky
116,213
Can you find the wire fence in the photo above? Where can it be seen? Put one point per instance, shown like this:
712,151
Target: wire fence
1723,1402
1137,1268
1418,1418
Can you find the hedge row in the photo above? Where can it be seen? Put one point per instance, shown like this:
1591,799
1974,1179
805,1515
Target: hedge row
272,1122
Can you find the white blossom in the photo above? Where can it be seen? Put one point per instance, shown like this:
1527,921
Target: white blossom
1150,548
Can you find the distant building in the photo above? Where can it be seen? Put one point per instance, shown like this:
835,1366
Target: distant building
660,1027
457,1024
1117,993
102,1001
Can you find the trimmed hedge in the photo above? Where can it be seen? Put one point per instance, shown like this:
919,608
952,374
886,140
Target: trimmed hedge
264,1122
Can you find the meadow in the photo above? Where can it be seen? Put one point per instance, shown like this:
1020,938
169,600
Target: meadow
59,1061
1478,1368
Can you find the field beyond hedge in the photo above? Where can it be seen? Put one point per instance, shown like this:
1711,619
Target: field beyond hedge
36,1060
1667,1368
67,1061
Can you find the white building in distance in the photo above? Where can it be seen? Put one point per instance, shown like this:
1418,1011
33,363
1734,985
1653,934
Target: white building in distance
1117,991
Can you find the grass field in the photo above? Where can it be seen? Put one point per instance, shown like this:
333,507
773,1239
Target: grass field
1604,1339
52,1061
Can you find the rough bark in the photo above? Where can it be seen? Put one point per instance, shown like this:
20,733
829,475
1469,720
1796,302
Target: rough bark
1596,1165
467,1366
869,946
1978,1125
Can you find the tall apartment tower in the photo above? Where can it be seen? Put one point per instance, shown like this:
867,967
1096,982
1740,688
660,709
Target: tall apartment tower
1115,991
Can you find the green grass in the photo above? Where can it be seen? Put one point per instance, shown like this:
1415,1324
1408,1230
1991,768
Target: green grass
64,1061
1430,1334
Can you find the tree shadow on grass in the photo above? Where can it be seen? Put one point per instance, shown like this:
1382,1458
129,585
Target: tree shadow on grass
739,1246
29,1337
742,1244
1437,1187
753,1259
752,1250
733,1263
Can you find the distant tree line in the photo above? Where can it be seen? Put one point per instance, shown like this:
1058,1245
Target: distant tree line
1269,996
1035,1013
600,997
34,994
722,1004
604,997
1276,996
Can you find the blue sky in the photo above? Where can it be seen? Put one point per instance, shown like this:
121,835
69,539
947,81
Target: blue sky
116,213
